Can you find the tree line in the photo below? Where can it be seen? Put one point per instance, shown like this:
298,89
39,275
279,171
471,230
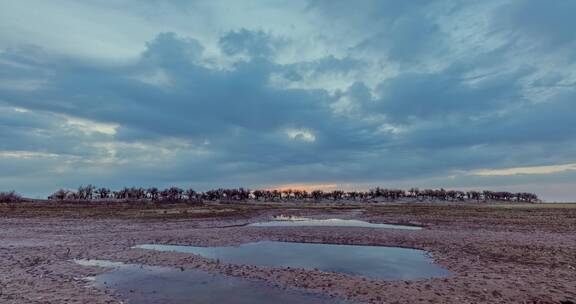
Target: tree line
176,194
10,197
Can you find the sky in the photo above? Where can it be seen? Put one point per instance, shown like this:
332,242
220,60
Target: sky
280,93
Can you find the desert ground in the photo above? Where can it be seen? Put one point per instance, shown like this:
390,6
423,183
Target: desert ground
499,253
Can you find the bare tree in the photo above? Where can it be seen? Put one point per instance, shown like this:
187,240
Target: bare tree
190,194
103,193
59,195
10,197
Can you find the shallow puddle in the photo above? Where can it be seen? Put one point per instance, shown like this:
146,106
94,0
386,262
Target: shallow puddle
296,222
151,284
389,263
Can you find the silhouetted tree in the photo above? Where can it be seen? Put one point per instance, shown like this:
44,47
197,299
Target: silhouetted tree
103,193
59,195
10,197
152,193
90,192
190,194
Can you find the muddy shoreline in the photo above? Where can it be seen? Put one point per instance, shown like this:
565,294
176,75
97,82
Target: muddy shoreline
499,253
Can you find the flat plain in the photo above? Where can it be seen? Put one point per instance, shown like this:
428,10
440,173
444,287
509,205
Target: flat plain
499,253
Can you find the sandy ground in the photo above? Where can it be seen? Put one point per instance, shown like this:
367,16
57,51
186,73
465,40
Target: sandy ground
499,253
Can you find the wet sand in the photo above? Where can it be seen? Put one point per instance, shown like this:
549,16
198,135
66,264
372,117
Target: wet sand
498,253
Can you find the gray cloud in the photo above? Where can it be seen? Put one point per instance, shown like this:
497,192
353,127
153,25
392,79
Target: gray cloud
405,94
543,24
245,42
435,95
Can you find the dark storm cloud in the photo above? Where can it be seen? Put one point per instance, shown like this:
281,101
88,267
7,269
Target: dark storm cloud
383,90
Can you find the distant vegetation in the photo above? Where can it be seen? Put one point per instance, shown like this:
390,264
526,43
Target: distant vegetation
175,194
10,197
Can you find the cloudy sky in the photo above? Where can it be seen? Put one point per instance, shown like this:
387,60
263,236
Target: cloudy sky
352,94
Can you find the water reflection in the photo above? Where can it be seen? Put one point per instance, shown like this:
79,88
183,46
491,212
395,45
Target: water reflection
390,263
151,284
283,221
